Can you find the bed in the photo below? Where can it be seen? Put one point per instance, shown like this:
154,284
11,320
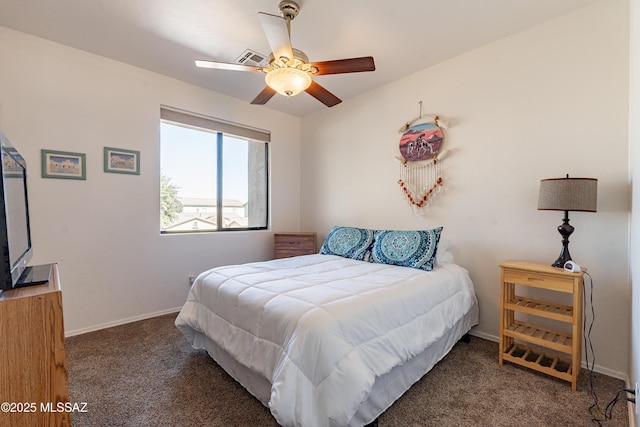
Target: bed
330,339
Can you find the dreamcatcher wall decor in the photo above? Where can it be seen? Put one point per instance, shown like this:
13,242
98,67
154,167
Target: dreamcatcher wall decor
421,158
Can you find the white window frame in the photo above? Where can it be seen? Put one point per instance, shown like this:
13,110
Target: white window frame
197,121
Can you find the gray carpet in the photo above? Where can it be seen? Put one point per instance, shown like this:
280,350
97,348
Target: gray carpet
145,374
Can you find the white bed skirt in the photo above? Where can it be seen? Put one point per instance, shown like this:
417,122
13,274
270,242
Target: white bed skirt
386,388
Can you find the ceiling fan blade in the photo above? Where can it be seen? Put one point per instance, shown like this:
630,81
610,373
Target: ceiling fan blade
264,96
340,66
225,66
322,95
277,32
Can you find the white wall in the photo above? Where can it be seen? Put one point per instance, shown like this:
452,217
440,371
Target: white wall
542,103
634,161
104,232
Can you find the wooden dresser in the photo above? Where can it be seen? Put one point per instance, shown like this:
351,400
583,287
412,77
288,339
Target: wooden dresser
33,369
294,244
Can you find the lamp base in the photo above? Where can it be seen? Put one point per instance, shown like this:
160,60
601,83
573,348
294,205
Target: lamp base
565,231
562,258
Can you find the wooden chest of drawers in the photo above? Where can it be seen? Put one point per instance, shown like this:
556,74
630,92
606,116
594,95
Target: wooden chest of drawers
294,244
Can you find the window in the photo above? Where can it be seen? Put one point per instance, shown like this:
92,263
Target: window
214,174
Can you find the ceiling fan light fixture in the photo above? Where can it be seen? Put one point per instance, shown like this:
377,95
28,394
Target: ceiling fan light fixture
288,81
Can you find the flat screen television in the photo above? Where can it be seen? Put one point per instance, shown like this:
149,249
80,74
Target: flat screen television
15,232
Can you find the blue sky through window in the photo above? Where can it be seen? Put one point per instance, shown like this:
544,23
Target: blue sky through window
188,157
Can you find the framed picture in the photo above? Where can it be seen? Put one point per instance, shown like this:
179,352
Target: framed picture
10,166
118,160
63,165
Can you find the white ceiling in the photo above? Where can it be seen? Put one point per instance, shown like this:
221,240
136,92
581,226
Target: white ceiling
165,36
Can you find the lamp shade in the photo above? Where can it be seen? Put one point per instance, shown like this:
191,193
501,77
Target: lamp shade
568,194
288,81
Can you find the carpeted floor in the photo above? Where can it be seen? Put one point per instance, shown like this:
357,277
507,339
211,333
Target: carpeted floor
145,374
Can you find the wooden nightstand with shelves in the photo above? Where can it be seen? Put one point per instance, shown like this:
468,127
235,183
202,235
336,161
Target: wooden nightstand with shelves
294,244
527,343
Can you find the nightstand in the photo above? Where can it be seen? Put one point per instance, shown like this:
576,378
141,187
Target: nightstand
294,244
527,343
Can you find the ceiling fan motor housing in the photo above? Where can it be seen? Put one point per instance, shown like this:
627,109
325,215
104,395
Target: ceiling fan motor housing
289,9
300,60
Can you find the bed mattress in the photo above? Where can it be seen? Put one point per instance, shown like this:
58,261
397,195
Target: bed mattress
310,336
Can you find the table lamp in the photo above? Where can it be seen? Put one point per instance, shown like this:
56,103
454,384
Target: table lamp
567,194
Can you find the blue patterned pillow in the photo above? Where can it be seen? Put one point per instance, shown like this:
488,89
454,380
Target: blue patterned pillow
348,242
415,249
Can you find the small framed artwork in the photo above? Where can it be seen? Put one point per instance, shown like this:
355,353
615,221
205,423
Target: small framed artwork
118,160
63,165
11,162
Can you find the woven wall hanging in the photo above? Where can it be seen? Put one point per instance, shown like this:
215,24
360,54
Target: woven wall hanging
421,158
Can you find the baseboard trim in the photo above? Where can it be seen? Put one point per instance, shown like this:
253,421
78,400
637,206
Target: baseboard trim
121,322
631,407
596,368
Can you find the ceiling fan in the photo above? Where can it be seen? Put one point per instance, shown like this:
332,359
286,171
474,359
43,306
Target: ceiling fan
289,71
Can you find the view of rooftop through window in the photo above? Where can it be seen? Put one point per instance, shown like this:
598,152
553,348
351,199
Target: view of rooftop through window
190,173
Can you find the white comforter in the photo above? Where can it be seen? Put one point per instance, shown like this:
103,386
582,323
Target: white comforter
320,328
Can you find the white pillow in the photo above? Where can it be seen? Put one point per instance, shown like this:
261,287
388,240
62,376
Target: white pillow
443,256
